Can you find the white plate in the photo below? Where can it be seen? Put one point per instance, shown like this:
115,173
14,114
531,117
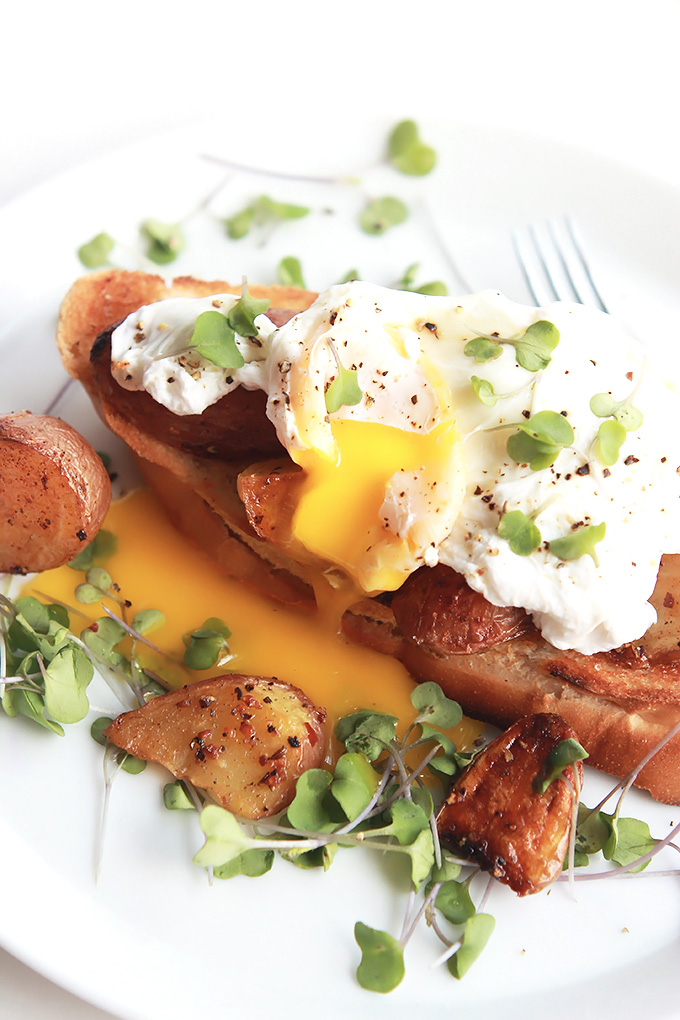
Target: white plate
152,940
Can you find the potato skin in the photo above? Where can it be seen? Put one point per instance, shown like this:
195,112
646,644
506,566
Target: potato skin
494,816
437,608
54,495
245,740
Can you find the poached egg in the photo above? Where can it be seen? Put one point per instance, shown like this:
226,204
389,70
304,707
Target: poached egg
412,468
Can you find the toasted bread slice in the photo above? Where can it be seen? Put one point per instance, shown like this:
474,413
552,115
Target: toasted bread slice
621,703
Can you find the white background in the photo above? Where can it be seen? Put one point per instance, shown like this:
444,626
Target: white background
80,79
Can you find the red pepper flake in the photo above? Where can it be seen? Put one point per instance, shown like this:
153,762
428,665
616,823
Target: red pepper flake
668,600
311,733
247,729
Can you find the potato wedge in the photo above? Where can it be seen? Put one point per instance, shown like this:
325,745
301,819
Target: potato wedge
54,493
245,740
494,816
437,608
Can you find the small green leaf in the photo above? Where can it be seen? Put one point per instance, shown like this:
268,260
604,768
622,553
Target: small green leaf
225,839
289,273
366,732
539,440
241,316
307,810
147,620
164,240
611,436
482,349
430,733
432,705
344,389
421,854
99,578
97,729
239,225
213,338
176,798
605,406
354,784
564,754
381,214
30,704
453,899
593,830
101,547
520,532
251,863
207,645
436,288
407,153
96,252
382,959
633,840
534,347
130,764
320,857
263,212
350,275
478,931
484,391
579,543
66,680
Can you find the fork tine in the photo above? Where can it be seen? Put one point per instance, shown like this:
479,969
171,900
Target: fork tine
554,264
577,240
532,276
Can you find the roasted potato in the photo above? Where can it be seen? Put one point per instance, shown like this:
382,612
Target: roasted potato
54,492
494,816
437,608
245,740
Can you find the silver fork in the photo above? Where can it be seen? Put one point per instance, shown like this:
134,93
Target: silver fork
554,263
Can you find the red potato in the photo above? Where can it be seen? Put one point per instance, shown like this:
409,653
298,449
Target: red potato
243,739
494,816
54,492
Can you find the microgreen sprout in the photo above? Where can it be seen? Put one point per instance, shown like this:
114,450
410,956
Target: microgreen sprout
407,153
214,339
611,436
520,531
533,347
566,753
344,390
380,214
289,272
484,391
102,546
96,252
208,646
264,213
579,543
408,282
605,406
241,316
539,439
164,240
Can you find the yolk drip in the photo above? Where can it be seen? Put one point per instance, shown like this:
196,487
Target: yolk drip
339,515
155,567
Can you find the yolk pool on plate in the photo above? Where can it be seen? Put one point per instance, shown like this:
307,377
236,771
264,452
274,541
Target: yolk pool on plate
155,567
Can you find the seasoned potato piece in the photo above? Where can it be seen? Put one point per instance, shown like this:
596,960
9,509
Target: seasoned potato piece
54,492
494,816
243,739
437,608
269,492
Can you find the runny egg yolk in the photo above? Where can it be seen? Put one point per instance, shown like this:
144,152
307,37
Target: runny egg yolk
366,508
156,567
